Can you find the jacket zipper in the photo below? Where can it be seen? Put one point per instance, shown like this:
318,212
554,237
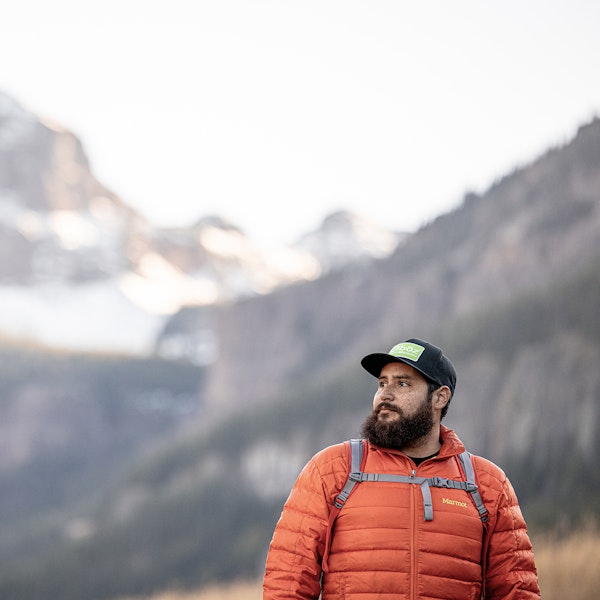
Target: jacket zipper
413,545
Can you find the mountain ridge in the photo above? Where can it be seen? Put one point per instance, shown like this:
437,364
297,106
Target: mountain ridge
482,253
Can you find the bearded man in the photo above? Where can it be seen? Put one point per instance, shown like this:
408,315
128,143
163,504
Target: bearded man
417,519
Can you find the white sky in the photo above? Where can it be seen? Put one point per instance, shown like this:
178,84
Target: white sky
274,113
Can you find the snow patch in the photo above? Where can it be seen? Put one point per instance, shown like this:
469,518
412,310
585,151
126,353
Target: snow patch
93,317
161,288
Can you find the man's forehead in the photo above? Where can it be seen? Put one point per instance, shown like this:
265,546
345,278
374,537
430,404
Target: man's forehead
400,369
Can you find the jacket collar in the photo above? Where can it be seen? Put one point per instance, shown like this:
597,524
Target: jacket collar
451,444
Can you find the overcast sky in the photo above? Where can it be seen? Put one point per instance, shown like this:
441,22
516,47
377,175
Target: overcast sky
276,113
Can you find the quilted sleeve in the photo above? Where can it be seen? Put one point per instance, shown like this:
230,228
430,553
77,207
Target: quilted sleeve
511,572
293,567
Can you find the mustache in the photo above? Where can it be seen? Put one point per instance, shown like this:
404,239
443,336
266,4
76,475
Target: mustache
387,405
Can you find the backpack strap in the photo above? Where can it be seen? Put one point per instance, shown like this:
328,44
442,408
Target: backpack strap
467,465
466,461
354,477
355,456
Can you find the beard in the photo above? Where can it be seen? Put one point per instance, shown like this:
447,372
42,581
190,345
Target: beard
401,432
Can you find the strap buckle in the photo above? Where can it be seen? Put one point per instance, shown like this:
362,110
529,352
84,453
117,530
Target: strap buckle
440,482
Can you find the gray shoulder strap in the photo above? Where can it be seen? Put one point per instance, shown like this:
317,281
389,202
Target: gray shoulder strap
356,449
467,465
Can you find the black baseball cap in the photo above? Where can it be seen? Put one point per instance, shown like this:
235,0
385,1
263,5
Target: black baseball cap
426,358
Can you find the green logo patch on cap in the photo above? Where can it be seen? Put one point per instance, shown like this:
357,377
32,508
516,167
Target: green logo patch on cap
407,350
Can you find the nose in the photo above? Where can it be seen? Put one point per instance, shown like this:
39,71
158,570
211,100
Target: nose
384,393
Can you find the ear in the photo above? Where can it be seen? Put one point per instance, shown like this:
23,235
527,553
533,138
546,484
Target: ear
441,397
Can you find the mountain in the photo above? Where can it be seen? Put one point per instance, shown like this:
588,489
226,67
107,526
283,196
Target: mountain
72,248
187,492
345,239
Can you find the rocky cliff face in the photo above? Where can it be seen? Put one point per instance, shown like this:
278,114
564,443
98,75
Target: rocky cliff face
57,222
528,231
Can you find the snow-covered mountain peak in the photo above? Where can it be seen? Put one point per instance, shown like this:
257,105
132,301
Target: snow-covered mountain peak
345,238
80,269
15,121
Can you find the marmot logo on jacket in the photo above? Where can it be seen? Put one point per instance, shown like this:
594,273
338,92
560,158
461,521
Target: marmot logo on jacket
454,502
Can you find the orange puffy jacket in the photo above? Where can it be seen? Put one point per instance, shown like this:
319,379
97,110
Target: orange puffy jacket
382,547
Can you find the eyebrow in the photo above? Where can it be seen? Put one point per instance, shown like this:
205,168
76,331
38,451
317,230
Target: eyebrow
405,377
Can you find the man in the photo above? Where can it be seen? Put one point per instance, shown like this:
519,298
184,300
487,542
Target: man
413,527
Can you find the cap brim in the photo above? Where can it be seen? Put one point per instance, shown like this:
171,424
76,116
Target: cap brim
373,363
